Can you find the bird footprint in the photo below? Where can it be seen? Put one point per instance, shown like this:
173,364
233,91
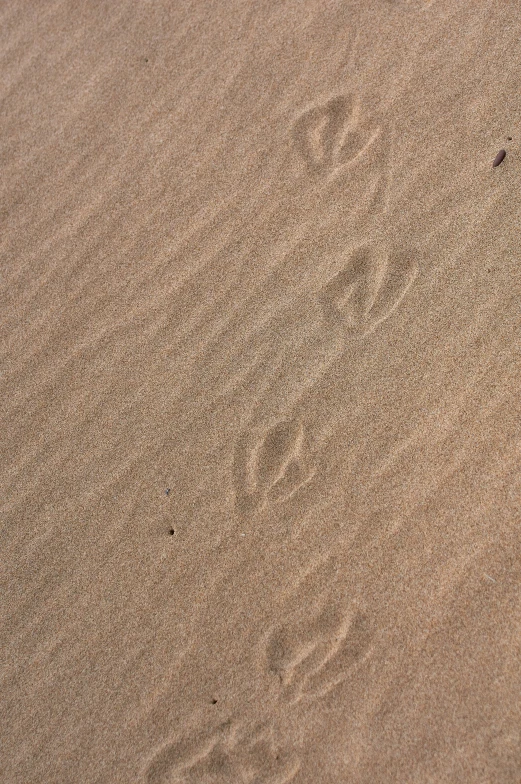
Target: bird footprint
227,755
332,135
312,654
274,467
367,290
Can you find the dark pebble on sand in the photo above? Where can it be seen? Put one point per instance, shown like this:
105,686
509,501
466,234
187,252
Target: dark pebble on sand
500,157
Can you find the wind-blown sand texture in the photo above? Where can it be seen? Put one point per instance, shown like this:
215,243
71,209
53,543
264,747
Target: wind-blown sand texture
260,313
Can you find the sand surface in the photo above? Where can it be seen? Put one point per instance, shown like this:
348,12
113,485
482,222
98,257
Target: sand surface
260,409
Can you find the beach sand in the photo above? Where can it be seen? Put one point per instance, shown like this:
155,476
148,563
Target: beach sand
260,411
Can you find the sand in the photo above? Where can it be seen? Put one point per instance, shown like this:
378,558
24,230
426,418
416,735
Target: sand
260,412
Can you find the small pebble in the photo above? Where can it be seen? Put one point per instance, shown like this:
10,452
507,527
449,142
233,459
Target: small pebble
500,157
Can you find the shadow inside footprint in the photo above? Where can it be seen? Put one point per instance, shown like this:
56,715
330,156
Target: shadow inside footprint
347,297
400,274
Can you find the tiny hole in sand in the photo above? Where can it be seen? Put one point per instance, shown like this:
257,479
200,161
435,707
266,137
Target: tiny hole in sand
171,532
214,701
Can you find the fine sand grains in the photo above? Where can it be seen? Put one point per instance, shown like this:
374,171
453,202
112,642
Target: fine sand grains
260,286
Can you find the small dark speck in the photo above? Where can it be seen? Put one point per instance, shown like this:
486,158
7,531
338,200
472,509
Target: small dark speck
509,138
171,532
214,702
167,491
146,59
500,157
